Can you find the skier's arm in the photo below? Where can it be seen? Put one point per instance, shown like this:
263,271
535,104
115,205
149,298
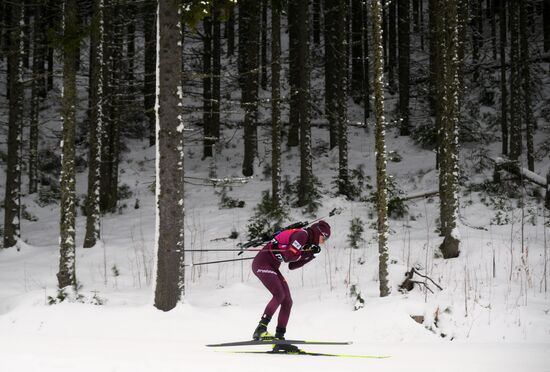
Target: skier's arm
297,243
306,257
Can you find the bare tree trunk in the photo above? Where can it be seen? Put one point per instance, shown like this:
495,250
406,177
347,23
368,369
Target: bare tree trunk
169,286
216,76
207,86
331,56
317,22
503,84
448,172
95,131
149,79
250,91
381,186
546,24
12,206
392,53
356,50
404,65
67,275
275,104
293,51
515,84
305,187
263,54
526,76
230,33
36,94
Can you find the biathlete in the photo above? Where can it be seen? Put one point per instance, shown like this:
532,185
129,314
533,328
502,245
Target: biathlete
297,247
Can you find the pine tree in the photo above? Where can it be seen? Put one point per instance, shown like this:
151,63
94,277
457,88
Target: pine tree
331,58
317,22
37,94
207,86
503,84
95,131
275,103
381,182
251,10
339,89
230,32
546,24
356,50
263,45
71,42
305,186
150,56
404,64
170,197
293,73
515,83
525,72
448,172
216,74
365,63
12,205
392,43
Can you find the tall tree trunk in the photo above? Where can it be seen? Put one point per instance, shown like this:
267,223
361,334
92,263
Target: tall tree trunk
293,51
230,33
317,22
242,40
392,45
95,131
339,94
404,65
448,172
66,275
107,107
275,104
503,84
52,17
305,186
263,80
546,24
356,50
169,286
493,15
250,91
476,36
150,55
526,85
26,32
515,83
207,86
366,59
131,53
12,205
381,183
331,56
36,94
216,75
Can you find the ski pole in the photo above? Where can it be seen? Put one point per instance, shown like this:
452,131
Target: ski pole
221,261
231,250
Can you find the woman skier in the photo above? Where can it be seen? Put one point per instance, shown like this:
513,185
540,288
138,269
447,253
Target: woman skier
297,247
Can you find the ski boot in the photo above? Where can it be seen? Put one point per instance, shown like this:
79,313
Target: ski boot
260,333
284,348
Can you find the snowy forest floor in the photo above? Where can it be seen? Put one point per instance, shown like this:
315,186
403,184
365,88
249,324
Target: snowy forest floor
484,319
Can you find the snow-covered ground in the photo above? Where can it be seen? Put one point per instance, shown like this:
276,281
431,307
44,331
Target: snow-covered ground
492,319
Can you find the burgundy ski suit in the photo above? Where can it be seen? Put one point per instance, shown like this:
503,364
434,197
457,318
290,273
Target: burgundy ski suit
287,246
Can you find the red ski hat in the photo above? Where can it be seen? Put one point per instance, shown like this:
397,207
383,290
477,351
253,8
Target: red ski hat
318,229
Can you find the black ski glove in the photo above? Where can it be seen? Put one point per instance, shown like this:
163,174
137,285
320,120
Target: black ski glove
315,249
